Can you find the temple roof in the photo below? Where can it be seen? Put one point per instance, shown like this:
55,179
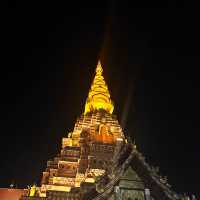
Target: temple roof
99,96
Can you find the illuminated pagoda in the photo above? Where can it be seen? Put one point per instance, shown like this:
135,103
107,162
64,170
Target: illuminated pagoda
97,162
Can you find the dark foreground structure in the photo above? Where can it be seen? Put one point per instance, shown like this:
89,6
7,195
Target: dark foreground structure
97,162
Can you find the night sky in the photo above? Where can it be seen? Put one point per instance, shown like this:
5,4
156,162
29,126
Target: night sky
150,55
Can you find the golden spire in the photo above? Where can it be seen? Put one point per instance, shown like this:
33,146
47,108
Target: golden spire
99,96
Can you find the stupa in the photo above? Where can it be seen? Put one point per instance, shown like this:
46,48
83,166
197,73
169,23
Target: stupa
97,162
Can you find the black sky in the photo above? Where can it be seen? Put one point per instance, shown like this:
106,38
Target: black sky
50,50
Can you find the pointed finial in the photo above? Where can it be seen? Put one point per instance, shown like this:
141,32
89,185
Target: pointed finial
99,68
99,96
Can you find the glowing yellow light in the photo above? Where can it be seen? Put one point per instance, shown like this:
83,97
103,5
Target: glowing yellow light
57,188
120,139
66,142
90,180
64,181
32,191
99,96
96,172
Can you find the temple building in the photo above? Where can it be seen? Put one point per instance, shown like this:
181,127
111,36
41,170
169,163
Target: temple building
97,162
